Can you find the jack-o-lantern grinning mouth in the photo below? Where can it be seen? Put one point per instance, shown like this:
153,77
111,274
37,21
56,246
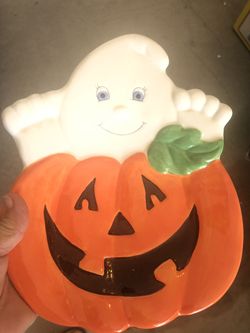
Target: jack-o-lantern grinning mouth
123,276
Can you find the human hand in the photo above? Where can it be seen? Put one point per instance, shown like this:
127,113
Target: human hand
15,314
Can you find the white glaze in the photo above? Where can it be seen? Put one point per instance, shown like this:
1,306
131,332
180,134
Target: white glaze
73,120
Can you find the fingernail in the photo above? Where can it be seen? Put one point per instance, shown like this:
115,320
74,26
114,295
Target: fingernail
8,201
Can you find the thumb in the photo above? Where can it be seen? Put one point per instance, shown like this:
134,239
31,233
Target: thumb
13,222
15,315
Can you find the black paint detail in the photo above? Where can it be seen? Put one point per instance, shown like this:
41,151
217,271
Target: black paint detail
123,276
152,189
121,226
89,195
71,253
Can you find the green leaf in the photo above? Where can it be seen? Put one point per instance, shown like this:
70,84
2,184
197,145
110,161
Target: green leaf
179,150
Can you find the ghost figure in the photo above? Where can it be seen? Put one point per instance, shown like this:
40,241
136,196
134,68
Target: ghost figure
114,104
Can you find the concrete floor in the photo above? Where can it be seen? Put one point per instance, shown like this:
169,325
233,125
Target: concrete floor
42,41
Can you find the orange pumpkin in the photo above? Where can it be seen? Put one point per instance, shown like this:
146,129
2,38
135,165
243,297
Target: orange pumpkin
115,245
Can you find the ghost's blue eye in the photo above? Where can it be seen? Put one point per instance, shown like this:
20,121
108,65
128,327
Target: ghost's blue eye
138,94
102,94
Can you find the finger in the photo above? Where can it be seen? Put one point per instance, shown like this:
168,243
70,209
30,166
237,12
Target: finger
3,272
181,99
6,203
13,222
223,115
198,99
211,106
15,314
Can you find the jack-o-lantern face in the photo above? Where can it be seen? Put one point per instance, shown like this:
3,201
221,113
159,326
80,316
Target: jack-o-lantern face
125,276
118,245
124,269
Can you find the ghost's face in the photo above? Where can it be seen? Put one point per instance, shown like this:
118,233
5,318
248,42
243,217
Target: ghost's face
117,100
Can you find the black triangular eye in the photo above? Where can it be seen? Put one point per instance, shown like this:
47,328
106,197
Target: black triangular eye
152,189
89,195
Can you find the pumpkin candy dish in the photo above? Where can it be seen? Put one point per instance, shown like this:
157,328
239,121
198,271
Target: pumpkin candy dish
133,218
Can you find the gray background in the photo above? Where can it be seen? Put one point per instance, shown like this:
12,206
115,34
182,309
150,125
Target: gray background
42,41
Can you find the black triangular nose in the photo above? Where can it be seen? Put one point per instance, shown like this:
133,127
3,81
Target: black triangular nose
121,226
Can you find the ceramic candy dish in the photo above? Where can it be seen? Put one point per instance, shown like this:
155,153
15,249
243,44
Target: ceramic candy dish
133,219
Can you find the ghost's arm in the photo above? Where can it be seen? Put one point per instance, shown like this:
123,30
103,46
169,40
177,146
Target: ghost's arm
203,112
33,123
32,110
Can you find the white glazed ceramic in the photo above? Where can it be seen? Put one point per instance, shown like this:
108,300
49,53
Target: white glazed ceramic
73,120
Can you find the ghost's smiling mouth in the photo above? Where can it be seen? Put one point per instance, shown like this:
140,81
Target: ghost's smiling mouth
124,276
122,134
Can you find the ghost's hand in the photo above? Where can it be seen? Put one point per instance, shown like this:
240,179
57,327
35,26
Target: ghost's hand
33,123
15,315
32,110
203,112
